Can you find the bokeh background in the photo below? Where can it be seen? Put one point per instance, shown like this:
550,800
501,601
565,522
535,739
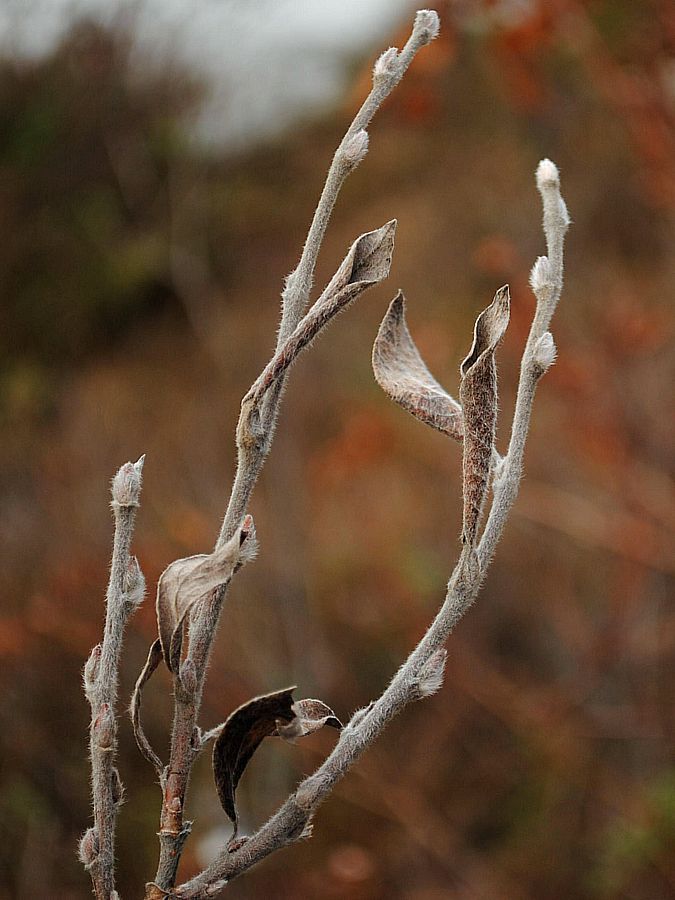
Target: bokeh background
159,165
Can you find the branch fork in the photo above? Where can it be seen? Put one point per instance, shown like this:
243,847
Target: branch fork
191,591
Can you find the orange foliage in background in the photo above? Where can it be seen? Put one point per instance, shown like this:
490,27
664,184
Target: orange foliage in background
140,279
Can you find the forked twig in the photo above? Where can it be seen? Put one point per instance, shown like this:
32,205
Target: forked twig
422,673
258,416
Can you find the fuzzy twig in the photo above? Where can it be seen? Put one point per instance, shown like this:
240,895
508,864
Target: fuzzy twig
421,674
387,72
126,589
546,280
253,446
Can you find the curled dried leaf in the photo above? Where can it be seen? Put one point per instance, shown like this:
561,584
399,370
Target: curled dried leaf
241,736
310,716
244,731
402,374
151,664
187,581
478,396
367,262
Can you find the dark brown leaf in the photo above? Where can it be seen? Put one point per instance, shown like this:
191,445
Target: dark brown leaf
248,726
402,374
153,660
241,736
478,395
187,581
367,262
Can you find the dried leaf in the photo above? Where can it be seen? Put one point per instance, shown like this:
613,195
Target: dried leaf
241,736
153,660
310,716
402,374
367,262
478,396
246,728
187,581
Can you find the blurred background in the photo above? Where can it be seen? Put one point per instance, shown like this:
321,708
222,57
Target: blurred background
159,165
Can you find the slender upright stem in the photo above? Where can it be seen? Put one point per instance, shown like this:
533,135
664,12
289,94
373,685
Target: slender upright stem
126,588
546,280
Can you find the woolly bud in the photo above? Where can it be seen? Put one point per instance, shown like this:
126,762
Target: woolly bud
215,887
548,183
248,541
356,147
91,667
134,583
547,174
430,678
540,276
544,352
427,25
104,727
386,65
126,485
117,788
88,848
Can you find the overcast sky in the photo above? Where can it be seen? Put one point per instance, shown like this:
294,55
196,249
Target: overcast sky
267,62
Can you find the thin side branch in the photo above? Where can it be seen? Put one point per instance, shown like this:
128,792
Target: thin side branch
546,280
126,589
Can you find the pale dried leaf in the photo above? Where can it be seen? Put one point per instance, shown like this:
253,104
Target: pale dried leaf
187,581
310,716
402,374
153,660
367,262
478,396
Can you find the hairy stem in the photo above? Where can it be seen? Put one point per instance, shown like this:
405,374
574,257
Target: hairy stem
125,591
292,821
251,454
547,282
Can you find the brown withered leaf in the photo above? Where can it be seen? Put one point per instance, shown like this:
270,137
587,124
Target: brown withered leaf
310,716
367,263
402,374
186,581
153,660
478,396
244,731
241,736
